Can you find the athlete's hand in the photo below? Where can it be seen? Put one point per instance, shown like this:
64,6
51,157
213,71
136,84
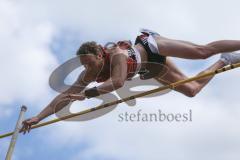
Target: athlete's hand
27,124
79,97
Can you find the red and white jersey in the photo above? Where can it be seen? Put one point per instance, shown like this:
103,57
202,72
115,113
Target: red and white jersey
133,62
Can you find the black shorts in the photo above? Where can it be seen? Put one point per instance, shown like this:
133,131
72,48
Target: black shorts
152,56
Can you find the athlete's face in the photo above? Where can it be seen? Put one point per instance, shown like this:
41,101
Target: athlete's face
91,61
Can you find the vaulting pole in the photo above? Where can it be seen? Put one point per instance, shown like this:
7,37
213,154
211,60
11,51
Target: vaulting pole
170,86
15,133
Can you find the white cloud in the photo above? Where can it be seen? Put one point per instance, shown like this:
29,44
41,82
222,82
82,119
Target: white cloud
5,112
26,60
190,20
213,128
213,134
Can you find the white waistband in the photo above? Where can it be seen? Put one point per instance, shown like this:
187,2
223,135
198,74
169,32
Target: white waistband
151,40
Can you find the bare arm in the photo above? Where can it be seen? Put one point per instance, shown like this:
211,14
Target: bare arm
118,74
61,100
58,103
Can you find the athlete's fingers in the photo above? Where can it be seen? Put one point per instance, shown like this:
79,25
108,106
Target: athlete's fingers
26,125
29,128
74,96
24,128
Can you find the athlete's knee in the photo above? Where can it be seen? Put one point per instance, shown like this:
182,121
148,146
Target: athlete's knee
192,90
204,52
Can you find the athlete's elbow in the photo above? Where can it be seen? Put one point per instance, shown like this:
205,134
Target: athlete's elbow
192,91
118,83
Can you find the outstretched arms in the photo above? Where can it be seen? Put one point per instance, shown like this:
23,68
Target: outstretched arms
62,99
57,103
116,80
118,75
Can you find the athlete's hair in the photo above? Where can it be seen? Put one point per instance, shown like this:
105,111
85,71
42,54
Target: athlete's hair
88,48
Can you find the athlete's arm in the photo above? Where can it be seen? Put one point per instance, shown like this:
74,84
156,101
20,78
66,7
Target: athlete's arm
62,99
58,102
118,74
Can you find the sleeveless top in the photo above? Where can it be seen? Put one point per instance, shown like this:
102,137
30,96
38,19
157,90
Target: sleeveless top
133,62
134,58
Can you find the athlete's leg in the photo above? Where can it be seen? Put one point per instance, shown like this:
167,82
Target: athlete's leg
188,50
189,89
174,75
203,82
224,46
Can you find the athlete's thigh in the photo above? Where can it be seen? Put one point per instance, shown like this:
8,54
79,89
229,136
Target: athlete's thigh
178,48
174,74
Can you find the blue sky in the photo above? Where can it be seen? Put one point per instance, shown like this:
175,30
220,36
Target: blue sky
38,36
